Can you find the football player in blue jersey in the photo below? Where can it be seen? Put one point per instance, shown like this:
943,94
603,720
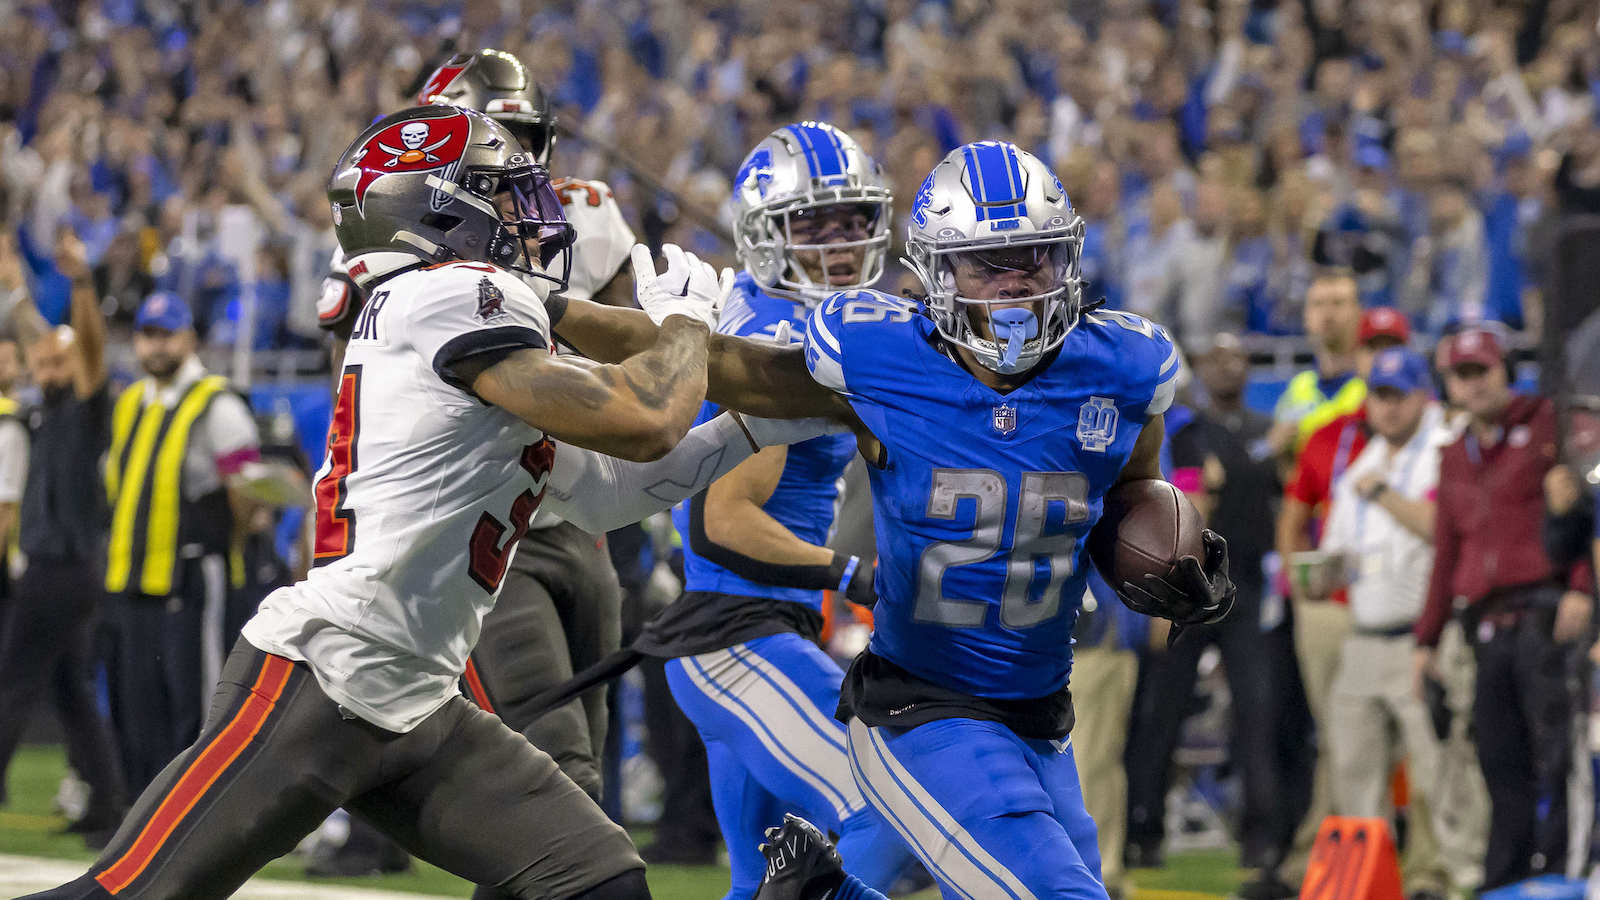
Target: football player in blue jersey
1005,408
811,214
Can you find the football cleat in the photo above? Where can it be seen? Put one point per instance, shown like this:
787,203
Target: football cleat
802,863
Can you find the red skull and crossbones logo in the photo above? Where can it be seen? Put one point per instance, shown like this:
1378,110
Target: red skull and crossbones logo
417,145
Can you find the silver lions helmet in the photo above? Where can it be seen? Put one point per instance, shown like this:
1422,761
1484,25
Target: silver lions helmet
811,213
441,183
996,245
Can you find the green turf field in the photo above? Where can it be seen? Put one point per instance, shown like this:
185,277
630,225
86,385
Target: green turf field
28,827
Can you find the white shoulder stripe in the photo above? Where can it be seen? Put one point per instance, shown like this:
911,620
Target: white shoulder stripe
1164,394
818,327
1171,362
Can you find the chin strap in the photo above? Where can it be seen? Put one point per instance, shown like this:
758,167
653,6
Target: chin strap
1013,328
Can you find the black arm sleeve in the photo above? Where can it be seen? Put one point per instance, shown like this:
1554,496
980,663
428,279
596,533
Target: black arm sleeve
815,578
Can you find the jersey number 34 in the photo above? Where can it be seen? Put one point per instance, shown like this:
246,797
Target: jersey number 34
489,548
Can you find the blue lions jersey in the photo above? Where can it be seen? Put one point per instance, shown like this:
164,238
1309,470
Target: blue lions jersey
804,499
981,512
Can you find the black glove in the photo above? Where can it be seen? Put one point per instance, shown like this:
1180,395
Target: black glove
859,589
1203,595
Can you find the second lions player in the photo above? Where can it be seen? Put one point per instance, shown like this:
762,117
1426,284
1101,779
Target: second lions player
454,424
811,218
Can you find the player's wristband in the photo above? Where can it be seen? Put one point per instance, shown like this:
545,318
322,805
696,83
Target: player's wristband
849,572
555,306
856,585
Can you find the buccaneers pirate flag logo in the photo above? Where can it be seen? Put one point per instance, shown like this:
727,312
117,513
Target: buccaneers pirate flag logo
417,145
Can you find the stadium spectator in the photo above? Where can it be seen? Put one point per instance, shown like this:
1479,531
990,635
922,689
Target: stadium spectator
1381,528
1523,615
1512,210
1320,625
1449,278
1315,397
188,144
1222,462
46,644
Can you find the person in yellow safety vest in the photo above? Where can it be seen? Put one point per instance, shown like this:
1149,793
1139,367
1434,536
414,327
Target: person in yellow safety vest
1332,389
180,442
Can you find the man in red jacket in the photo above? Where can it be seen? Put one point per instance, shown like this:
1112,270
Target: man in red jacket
1523,617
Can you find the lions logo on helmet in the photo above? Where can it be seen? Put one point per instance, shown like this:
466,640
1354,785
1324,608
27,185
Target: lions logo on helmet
797,177
992,232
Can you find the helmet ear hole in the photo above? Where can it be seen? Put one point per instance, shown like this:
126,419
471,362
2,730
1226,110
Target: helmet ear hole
441,221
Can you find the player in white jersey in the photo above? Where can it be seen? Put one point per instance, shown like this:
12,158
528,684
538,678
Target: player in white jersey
454,423
560,606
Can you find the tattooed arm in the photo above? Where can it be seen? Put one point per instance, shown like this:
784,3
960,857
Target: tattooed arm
755,377
637,409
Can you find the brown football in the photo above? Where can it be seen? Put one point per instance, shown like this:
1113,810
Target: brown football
1146,527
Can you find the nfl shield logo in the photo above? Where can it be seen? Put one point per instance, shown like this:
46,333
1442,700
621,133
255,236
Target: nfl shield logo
1004,420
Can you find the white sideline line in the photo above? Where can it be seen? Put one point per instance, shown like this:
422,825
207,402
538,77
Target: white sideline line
28,874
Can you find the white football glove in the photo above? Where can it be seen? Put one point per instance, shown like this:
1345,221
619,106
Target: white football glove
688,287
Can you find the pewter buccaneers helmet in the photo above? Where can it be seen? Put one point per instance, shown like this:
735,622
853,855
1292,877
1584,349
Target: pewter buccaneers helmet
996,208
444,183
797,168
497,83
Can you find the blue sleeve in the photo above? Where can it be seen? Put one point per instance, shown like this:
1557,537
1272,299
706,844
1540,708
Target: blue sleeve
1146,352
752,316
52,291
1168,362
847,336
824,351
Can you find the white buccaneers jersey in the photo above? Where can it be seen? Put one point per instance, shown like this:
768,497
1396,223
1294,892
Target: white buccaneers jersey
603,236
421,498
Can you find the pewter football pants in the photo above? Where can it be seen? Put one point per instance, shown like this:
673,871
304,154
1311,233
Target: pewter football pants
276,756
559,611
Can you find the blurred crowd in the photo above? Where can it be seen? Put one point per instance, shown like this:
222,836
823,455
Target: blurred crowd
1218,149
1244,167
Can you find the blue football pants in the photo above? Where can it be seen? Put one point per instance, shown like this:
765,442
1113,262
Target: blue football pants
765,711
992,815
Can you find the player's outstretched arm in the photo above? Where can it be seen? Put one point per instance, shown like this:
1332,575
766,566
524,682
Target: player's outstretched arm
598,493
756,377
637,409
